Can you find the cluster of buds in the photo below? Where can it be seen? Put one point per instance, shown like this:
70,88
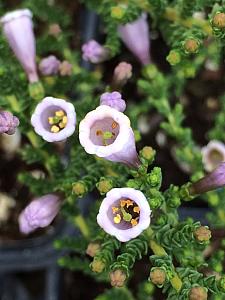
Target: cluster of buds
8,122
52,66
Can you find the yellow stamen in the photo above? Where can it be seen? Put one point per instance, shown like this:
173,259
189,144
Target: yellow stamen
123,202
59,113
136,209
64,120
50,120
114,125
62,125
130,203
134,222
99,132
117,219
55,129
115,209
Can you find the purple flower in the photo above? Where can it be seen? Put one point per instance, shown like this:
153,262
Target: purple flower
212,181
94,52
49,65
113,100
212,155
18,29
135,36
39,213
124,213
54,119
122,73
106,133
8,123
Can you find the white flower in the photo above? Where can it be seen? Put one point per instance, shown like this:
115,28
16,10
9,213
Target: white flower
212,155
106,133
54,119
124,213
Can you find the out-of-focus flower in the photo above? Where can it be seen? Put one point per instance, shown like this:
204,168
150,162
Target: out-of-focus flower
18,29
65,68
93,248
54,119
6,203
94,52
39,213
49,65
55,30
10,143
198,293
117,278
113,100
122,73
212,155
212,181
106,133
135,36
8,122
124,213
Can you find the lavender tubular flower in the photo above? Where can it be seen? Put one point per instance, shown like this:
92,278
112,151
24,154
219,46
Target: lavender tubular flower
39,213
212,181
18,29
124,213
113,100
212,155
135,36
54,119
8,123
106,133
94,52
49,65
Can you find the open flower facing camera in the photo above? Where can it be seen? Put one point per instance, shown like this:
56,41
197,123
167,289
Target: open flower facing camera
124,213
54,119
212,155
106,133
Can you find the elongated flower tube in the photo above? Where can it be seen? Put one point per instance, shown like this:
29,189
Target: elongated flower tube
212,155
54,119
8,122
124,213
39,213
106,133
135,36
212,181
113,100
18,29
94,52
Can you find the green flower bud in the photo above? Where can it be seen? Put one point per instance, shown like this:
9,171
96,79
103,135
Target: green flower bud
173,57
118,278
202,234
97,266
104,185
92,249
198,293
219,20
191,45
148,153
157,276
117,12
79,188
36,90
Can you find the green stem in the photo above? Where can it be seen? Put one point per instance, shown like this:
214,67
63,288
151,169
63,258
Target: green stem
79,221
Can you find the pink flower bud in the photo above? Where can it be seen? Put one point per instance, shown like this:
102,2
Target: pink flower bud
39,213
113,100
49,65
18,29
65,68
122,73
94,52
135,36
8,123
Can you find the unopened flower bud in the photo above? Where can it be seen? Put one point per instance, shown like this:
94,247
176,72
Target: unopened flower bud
147,153
113,100
104,185
79,188
65,68
202,234
49,65
174,57
36,90
94,52
8,122
122,73
117,12
157,276
219,20
54,30
92,249
198,293
97,266
117,278
191,45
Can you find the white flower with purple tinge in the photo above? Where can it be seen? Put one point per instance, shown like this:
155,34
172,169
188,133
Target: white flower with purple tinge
113,100
39,213
106,133
94,52
135,36
54,119
8,122
124,213
49,65
18,29
212,155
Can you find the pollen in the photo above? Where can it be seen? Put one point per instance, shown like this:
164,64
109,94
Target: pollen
134,222
51,120
115,209
136,209
59,113
99,132
114,125
117,219
58,121
55,129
